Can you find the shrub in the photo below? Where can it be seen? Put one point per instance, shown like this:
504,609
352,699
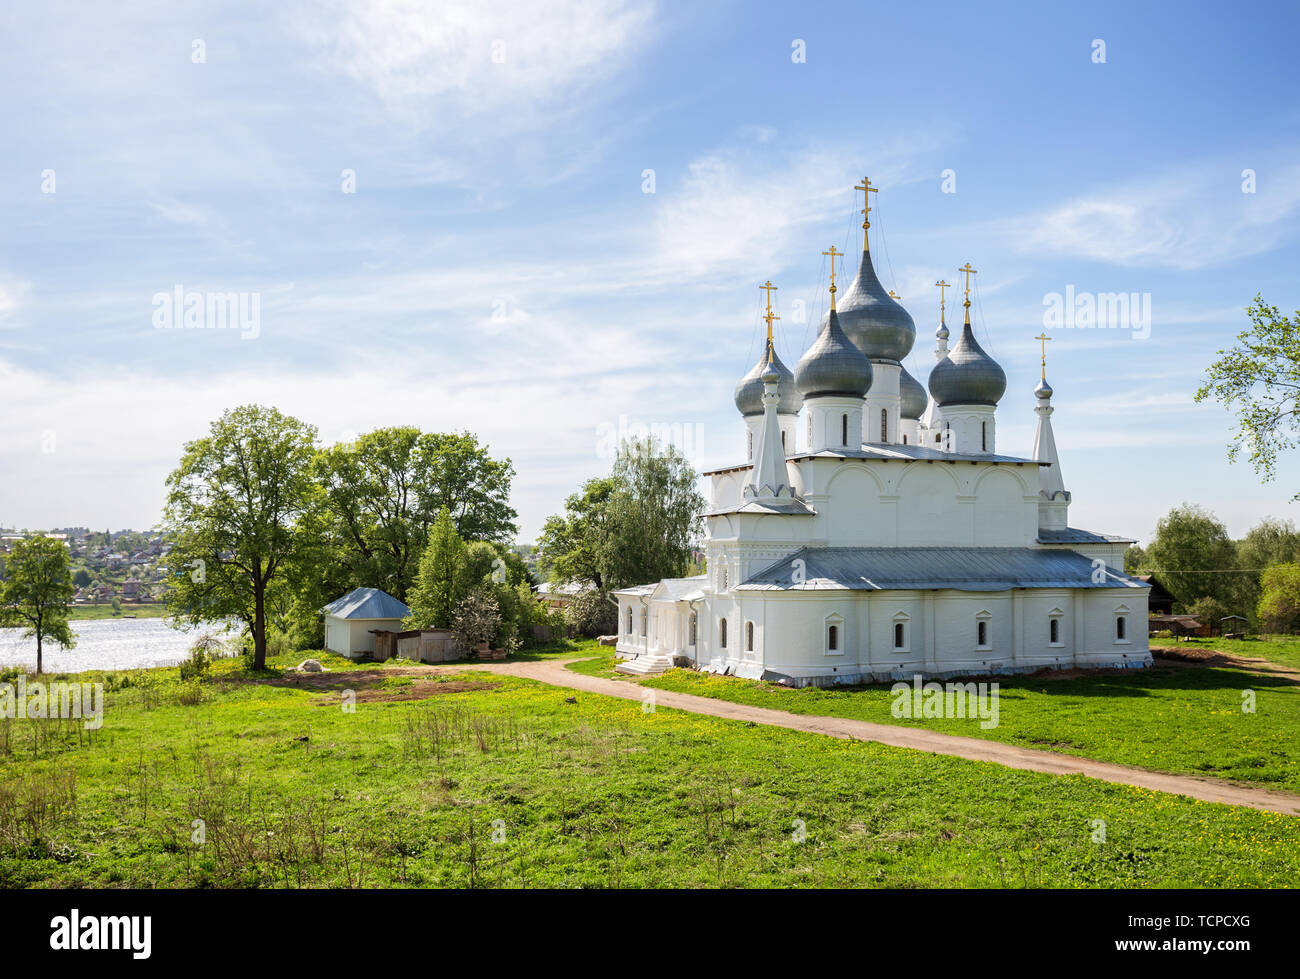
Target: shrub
205,649
477,618
592,614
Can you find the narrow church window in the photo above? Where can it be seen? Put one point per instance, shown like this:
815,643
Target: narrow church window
722,633
904,439
694,621
899,636
810,438
984,436
783,448
749,636
751,445
1055,631
884,425
982,633
629,620
1120,623
833,638
844,429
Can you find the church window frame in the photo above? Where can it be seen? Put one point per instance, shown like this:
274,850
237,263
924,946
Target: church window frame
1122,613
984,436
984,630
1054,618
722,632
884,425
749,636
751,445
833,634
902,623
844,429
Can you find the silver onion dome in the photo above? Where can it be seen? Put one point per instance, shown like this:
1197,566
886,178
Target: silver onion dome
749,392
1044,390
914,398
967,376
833,366
877,325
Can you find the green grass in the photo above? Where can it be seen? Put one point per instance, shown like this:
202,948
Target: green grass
1186,720
145,610
295,791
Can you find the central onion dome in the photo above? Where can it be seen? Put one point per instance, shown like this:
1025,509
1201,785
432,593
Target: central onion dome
967,376
914,398
833,366
749,392
877,325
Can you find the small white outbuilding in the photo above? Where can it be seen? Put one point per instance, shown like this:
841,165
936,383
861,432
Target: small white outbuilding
350,621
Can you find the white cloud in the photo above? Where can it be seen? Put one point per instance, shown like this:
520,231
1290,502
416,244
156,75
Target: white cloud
477,57
1184,220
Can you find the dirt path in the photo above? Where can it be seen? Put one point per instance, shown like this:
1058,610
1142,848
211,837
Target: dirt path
553,672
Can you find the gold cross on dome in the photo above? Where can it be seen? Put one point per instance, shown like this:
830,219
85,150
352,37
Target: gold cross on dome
1042,338
834,255
867,191
893,295
943,304
769,315
968,271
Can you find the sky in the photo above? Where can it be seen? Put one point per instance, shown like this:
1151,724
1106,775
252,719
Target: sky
547,224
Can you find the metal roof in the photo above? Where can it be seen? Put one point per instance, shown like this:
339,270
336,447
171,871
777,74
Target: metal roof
367,603
959,568
894,451
1072,535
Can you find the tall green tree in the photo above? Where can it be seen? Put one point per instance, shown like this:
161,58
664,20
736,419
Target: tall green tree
384,492
1189,545
1259,380
443,579
234,510
636,525
1279,605
35,592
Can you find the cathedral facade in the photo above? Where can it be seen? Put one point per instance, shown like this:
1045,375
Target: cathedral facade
874,532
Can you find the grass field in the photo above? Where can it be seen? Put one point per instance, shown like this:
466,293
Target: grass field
1185,719
480,780
145,610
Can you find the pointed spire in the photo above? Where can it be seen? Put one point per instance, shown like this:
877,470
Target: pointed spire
1054,499
941,334
769,481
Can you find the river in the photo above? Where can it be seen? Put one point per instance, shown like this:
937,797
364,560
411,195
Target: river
105,644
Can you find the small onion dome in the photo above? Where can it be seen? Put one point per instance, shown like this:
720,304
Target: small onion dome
833,366
749,392
967,376
942,332
877,325
914,398
1044,390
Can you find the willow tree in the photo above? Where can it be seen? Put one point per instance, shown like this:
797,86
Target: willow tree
35,591
233,512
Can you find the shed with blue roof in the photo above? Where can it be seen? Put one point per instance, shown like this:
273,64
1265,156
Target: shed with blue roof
351,621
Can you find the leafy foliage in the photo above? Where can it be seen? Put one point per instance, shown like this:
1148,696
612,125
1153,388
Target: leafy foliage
1189,544
1279,606
35,592
1259,379
233,512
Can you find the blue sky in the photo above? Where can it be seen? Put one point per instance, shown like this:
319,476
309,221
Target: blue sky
499,267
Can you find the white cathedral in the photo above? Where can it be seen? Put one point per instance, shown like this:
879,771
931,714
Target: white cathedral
895,540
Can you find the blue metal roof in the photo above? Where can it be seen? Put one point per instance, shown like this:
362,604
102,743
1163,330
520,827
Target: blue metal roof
959,568
367,603
1072,535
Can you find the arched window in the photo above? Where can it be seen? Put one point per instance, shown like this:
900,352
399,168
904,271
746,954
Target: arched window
904,439
981,633
1054,631
833,638
749,637
1121,625
810,438
844,429
751,445
900,635
694,622
783,448
629,620
722,633
884,425
984,436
